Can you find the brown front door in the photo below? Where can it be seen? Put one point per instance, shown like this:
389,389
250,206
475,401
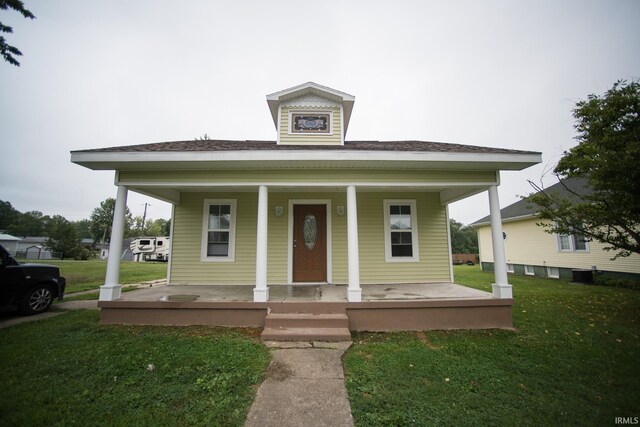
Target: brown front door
309,243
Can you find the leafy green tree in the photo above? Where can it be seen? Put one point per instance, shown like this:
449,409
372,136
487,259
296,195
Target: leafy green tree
102,218
608,157
63,237
31,223
10,52
83,227
8,215
157,227
464,239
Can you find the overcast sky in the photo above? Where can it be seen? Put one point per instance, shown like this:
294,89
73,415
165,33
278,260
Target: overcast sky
98,73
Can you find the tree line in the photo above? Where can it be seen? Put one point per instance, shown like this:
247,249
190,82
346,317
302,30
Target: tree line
65,236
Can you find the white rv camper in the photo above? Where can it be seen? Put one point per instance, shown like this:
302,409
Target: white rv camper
151,248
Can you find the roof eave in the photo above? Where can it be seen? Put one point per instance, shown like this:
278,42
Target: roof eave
266,159
513,219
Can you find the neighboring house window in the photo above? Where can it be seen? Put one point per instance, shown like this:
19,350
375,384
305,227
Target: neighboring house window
510,268
529,271
572,243
400,231
218,230
553,272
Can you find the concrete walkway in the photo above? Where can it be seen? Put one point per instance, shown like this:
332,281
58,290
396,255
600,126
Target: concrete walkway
304,387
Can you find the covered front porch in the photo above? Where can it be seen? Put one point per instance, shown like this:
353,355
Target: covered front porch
415,306
353,225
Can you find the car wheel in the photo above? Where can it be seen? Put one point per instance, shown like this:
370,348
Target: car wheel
37,300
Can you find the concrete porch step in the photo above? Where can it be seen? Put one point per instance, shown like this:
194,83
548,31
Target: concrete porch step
311,320
306,334
307,307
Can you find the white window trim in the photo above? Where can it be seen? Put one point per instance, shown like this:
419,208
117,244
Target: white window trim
510,268
572,247
292,112
205,229
532,272
414,231
553,276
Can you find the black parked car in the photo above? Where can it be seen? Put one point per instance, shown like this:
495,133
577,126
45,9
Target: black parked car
29,288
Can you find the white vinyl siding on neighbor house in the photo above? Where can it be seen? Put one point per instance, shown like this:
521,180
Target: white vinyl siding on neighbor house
218,230
529,244
401,231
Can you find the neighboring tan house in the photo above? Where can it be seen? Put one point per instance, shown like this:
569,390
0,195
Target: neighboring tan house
307,207
530,250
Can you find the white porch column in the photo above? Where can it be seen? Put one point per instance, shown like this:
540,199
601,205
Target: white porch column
111,289
501,288
354,292
261,291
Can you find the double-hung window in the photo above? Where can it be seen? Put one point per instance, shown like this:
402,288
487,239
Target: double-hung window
400,231
572,243
218,230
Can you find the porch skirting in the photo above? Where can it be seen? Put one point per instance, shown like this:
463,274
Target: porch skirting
483,313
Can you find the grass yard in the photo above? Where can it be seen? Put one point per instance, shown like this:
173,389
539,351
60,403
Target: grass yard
88,275
67,370
573,360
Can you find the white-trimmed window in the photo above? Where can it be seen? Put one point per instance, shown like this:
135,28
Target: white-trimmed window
510,268
218,230
572,243
401,231
529,270
553,272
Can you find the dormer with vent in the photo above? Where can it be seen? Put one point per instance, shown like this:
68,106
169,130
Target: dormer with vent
311,114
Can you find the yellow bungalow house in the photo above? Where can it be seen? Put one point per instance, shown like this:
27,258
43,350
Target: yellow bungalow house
363,221
531,251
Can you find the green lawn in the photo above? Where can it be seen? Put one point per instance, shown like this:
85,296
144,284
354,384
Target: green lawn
87,275
67,370
573,360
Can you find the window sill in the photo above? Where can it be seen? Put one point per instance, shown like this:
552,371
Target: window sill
217,259
413,259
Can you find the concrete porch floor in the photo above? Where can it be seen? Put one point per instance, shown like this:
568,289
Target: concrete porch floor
306,293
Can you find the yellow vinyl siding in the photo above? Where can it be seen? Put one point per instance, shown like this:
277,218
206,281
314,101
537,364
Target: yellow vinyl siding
432,238
278,235
354,176
529,244
312,139
187,268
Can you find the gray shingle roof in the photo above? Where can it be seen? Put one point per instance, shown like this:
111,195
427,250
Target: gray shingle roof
522,208
226,145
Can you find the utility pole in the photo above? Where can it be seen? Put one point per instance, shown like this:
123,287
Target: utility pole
144,216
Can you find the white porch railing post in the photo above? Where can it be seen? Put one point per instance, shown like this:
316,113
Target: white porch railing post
501,288
261,291
353,253
111,289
